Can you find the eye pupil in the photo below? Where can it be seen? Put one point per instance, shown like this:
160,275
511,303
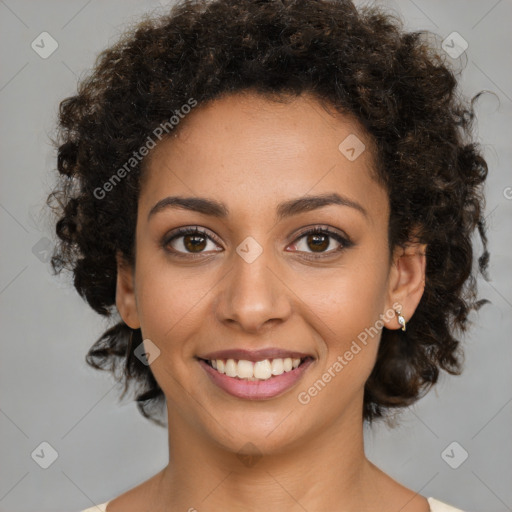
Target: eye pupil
192,242
195,242
321,242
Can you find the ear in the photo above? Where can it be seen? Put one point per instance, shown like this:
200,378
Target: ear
406,282
125,293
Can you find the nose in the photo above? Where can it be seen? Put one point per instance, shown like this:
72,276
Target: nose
253,297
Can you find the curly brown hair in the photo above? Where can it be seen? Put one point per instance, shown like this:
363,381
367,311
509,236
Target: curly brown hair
363,64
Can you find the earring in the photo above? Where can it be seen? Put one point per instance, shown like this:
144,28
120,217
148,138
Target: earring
401,319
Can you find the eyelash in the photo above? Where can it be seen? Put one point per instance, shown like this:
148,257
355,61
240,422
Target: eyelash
343,241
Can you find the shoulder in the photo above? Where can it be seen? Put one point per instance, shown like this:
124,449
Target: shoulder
134,499
435,506
97,508
439,506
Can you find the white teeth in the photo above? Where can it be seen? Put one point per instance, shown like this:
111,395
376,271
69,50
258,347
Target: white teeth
245,369
231,368
277,367
260,370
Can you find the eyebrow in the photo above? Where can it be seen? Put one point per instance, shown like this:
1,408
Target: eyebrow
284,210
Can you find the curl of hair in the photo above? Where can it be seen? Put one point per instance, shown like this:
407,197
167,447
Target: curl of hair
363,64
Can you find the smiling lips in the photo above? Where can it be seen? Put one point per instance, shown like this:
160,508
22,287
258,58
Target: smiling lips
260,374
262,370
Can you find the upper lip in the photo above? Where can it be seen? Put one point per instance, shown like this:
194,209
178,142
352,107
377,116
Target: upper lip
253,355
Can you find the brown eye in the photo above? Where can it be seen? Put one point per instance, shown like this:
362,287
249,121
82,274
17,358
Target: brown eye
186,241
318,242
321,241
194,243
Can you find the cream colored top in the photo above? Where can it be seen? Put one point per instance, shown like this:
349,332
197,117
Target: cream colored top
435,506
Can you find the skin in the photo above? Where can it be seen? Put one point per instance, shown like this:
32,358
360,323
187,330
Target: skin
251,154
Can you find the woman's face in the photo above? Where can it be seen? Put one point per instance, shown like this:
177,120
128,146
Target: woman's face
256,280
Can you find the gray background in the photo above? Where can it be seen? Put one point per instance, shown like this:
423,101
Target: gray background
104,447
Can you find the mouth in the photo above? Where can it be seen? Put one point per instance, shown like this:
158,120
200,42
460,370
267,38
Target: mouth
258,379
264,369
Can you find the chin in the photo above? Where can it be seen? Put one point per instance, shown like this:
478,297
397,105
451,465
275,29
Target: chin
257,434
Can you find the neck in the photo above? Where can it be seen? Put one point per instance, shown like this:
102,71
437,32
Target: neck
326,471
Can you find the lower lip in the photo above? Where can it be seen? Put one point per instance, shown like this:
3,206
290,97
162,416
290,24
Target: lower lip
256,389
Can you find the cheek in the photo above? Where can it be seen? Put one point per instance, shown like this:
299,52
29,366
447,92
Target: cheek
346,308
349,330
171,312
170,300
350,297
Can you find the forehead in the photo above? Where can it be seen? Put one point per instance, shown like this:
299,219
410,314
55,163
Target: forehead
249,151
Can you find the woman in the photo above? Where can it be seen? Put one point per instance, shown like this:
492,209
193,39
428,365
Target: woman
274,202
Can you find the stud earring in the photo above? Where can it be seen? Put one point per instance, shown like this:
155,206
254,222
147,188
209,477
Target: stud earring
401,319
